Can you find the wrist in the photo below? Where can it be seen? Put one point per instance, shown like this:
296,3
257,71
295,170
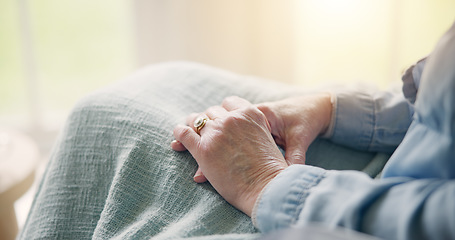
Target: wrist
251,197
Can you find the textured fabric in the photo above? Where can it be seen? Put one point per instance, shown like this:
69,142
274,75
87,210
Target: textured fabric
414,197
113,175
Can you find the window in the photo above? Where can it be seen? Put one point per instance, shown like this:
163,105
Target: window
54,52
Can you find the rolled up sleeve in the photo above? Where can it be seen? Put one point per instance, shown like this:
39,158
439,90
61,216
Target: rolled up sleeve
371,121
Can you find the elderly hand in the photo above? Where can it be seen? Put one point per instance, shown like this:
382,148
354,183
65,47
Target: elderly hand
297,121
235,150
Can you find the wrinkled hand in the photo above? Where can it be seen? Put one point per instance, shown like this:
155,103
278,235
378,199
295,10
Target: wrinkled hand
297,121
235,150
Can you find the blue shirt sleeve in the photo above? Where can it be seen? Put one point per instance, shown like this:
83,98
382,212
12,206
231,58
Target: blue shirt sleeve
371,121
303,194
414,199
376,120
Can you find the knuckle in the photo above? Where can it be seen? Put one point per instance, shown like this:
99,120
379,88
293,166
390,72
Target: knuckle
264,108
297,157
190,118
249,114
231,120
255,113
212,109
180,132
229,99
252,110
186,131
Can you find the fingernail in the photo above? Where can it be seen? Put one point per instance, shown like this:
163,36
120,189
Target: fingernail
198,178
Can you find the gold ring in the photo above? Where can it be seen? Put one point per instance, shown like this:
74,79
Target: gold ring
200,123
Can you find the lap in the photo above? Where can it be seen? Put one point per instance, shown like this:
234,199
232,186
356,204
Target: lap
113,174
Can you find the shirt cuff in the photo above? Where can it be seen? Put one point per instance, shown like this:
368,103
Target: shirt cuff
281,201
354,120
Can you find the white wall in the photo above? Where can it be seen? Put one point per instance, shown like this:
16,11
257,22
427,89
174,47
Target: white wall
298,41
247,37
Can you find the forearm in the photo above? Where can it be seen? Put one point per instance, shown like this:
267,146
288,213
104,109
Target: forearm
394,208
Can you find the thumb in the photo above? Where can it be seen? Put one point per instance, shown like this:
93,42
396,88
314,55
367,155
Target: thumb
296,146
295,153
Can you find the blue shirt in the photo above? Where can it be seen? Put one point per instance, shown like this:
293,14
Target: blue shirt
415,198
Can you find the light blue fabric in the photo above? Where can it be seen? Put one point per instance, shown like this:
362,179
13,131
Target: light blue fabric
113,175
371,121
414,199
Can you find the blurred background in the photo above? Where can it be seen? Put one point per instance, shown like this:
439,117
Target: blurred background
54,52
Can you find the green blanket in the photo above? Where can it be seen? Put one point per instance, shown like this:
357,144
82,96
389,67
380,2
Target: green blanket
112,173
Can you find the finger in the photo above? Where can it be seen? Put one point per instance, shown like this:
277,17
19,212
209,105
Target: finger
274,124
215,112
295,153
233,103
177,146
191,118
199,176
188,137
295,157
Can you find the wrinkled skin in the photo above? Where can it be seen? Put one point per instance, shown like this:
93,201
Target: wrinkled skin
297,121
237,148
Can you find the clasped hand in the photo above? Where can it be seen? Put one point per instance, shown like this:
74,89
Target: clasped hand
237,147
